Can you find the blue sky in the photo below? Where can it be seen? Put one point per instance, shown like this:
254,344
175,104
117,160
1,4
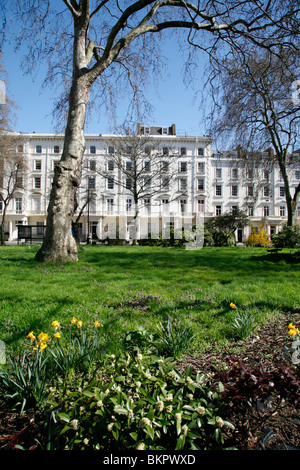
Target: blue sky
176,103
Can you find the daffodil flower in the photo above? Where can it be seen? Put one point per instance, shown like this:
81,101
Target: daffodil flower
55,324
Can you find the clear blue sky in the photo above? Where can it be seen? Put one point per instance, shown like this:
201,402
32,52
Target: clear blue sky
176,104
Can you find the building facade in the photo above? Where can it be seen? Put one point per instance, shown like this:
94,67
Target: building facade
196,181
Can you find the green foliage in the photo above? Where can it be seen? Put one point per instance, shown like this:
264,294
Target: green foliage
243,323
23,382
217,237
78,350
137,402
288,237
173,338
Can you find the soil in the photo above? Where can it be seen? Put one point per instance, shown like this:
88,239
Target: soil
267,424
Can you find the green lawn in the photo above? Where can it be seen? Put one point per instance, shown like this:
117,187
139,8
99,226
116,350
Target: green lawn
126,287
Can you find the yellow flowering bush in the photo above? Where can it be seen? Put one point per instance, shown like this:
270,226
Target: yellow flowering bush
258,238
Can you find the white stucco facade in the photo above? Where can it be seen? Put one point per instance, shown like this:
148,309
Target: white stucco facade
203,183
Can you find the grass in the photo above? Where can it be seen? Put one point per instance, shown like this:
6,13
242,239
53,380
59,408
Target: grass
126,287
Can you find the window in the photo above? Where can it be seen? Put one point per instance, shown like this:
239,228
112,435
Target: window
218,172
36,204
201,167
234,190
183,151
110,205
37,182
298,211
234,173
92,182
165,203
200,152
266,191
38,149
147,183
183,205
147,204
266,175
183,184
110,183
250,190
18,205
297,174
38,165
128,183
200,184
282,191
93,165
165,150
111,150
19,182
183,166
128,204
266,211
218,210
92,149
165,131
40,228
147,166
218,190
282,211
165,183
201,206
56,148
20,148
110,165
250,173
250,211
164,166
128,165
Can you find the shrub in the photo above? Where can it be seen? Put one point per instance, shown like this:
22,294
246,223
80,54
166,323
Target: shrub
223,238
288,237
258,238
138,402
243,323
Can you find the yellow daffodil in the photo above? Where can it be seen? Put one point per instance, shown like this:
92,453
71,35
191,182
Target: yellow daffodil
232,305
291,326
43,337
97,324
79,324
292,332
55,324
57,335
31,336
40,346
74,321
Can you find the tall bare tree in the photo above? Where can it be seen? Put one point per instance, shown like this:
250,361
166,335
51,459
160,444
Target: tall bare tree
256,112
12,163
111,35
141,168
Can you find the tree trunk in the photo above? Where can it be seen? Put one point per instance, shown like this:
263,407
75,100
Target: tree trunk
59,245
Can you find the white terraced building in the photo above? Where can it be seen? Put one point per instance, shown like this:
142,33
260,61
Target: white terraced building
203,183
